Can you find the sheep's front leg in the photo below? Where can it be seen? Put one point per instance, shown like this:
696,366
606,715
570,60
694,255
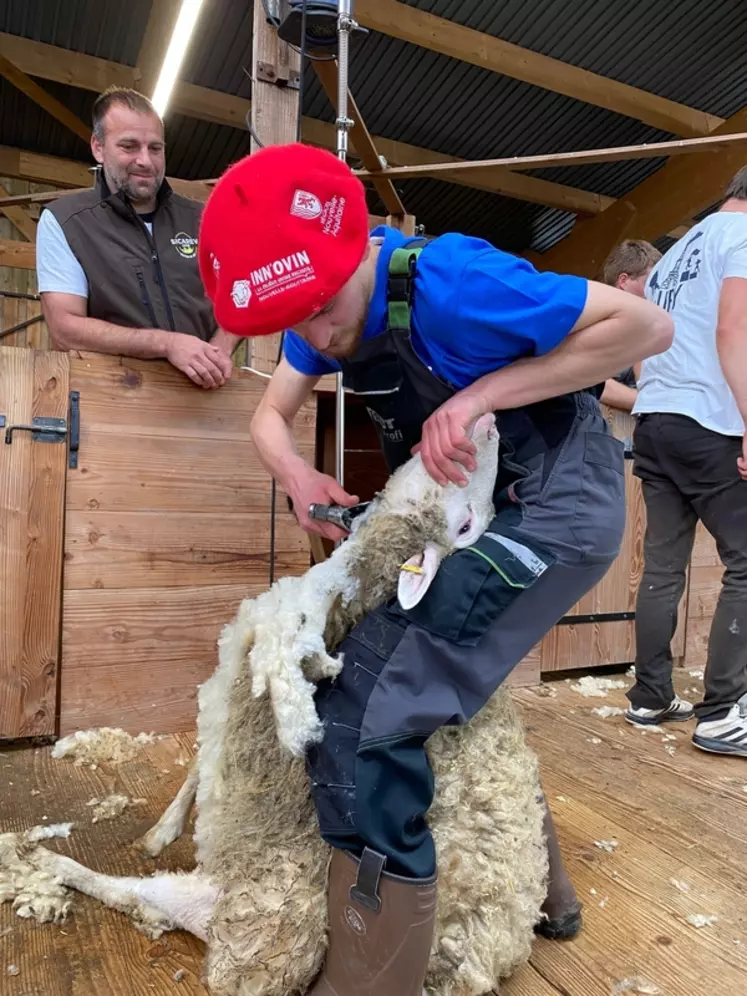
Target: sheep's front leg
171,825
155,904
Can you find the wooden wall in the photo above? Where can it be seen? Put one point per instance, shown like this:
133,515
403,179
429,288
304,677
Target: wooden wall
167,529
22,282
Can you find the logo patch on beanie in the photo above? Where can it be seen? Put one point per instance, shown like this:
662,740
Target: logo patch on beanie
241,293
306,205
332,213
281,275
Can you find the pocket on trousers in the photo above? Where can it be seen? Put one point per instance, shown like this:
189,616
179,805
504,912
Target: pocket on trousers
599,520
474,586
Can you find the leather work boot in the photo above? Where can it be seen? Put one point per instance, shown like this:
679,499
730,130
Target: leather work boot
380,929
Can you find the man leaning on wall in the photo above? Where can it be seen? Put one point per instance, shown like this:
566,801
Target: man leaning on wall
117,264
627,267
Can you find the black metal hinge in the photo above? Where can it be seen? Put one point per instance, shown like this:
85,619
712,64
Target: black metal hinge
74,422
596,617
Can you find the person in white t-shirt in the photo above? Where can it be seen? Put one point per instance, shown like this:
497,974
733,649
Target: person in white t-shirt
690,453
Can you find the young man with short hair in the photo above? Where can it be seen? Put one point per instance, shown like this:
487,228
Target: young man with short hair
430,335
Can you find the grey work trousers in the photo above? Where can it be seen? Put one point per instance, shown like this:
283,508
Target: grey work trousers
689,473
406,674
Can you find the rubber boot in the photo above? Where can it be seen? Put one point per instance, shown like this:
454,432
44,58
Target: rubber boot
380,930
562,918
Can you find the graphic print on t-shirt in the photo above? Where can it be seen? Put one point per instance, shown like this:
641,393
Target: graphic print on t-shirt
686,267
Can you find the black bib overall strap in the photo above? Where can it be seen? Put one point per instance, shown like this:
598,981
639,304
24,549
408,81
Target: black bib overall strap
400,392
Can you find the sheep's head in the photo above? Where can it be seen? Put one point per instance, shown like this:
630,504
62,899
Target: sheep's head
465,512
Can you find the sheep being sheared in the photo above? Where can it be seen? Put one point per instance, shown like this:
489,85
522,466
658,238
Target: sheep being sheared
258,896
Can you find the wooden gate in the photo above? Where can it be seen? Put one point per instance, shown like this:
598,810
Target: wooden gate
33,392
167,529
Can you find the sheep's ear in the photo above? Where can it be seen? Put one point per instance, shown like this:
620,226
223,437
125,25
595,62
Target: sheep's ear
416,575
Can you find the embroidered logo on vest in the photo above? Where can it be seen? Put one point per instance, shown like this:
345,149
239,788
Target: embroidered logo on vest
185,245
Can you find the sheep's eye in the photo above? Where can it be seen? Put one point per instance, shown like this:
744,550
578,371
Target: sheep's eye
465,528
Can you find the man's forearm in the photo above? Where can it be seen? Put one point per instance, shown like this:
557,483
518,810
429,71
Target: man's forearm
618,395
585,358
276,447
732,353
92,334
226,342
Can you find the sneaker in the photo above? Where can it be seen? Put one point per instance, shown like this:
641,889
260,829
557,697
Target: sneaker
727,735
678,711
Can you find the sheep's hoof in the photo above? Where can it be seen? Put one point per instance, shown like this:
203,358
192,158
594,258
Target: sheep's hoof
149,844
561,928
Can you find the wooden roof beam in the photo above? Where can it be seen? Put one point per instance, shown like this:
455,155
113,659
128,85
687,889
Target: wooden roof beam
687,186
653,150
40,96
23,221
23,165
584,251
398,20
91,73
683,187
327,73
51,169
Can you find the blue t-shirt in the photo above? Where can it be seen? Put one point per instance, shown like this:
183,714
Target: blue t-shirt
475,309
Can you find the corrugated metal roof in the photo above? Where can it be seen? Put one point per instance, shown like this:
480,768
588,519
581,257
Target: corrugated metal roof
108,29
665,48
688,51
222,57
24,125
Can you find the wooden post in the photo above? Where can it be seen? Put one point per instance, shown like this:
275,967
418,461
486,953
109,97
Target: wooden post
275,74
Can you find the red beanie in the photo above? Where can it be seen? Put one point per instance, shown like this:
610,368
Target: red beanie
281,232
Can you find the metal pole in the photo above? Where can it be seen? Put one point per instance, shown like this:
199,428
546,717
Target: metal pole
345,24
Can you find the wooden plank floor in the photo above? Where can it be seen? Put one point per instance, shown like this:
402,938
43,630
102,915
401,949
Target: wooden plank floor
678,816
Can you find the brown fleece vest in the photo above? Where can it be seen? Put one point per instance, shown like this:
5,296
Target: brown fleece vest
135,279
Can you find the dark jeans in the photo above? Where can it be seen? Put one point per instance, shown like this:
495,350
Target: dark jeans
689,473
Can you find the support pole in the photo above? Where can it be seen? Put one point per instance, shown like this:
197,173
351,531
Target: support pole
345,24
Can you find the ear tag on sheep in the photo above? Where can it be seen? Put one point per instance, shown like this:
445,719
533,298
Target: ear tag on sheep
416,575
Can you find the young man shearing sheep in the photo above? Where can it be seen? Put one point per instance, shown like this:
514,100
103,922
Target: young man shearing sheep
430,336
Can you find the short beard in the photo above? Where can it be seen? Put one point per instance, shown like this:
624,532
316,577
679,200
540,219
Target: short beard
128,188
345,349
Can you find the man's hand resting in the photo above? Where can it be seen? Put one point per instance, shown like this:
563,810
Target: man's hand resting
204,364
445,443
742,460
309,487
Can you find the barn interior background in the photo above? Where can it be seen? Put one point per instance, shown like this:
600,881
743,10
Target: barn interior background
124,550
